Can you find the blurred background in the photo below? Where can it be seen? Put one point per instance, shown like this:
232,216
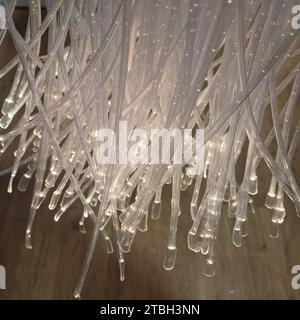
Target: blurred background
260,269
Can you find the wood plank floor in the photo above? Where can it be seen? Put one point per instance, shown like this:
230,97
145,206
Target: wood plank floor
260,269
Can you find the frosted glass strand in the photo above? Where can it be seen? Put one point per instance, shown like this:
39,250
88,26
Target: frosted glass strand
191,64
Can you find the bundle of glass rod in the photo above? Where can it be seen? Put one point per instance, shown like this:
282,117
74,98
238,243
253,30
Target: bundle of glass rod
155,64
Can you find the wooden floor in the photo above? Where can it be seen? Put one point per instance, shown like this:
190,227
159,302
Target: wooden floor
260,269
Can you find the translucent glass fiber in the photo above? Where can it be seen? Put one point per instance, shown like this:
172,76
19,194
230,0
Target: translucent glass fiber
207,64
